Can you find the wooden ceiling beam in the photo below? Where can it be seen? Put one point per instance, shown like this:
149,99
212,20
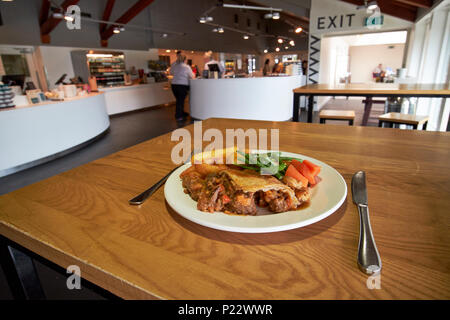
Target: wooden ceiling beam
417,3
106,14
43,13
50,23
124,19
390,8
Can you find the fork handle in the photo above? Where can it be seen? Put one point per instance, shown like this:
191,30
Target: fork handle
369,260
139,199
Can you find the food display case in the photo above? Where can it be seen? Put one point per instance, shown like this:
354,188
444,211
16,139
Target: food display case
229,65
107,67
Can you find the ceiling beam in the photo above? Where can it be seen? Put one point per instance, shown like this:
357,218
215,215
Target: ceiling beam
390,8
124,19
43,13
106,14
418,3
50,23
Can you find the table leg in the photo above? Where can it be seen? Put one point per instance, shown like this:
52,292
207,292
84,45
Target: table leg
310,108
20,273
367,109
295,114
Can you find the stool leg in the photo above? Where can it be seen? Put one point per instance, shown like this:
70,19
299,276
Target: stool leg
380,123
424,126
351,122
414,126
322,120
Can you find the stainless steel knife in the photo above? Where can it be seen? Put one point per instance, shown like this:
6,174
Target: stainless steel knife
369,260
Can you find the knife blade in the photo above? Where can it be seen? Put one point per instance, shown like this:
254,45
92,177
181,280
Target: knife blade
369,260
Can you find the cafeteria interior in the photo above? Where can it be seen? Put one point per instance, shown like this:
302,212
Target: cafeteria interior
90,114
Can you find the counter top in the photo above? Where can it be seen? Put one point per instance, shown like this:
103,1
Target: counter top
133,86
49,102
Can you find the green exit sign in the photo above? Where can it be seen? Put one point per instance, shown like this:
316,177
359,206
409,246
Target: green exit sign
373,21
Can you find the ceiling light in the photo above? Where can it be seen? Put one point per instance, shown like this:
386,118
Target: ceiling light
202,20
276,15
280,40
292,43
68,18
245,37
122,29
214,30
286,47
116,30
164,35
167,50
220,30
298,30
268,15
265,50
58,15
209,19
277,49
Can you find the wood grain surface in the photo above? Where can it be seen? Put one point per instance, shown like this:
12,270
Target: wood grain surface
404,118
442,89
337,114
82,217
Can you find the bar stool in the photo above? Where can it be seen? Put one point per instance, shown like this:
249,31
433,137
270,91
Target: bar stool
342,115
399,118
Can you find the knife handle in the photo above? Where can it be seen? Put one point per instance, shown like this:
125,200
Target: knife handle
369,260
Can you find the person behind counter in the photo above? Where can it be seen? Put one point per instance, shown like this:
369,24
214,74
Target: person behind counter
182,73
266,68
209,61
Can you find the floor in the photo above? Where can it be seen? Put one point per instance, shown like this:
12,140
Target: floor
125,130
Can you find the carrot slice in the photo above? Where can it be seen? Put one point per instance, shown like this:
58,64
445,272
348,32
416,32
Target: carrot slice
304,170
293,172
313,168
296,164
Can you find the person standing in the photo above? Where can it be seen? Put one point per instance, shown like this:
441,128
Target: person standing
266,68
182,73
209,60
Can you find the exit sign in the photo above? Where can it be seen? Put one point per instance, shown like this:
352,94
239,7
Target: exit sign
373,21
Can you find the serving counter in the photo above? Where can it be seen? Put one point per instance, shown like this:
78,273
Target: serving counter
33,134
256,98
128,98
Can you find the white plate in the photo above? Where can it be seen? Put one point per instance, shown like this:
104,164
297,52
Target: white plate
326,198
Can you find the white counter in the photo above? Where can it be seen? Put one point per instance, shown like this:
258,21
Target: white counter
263,98
33,134
134,97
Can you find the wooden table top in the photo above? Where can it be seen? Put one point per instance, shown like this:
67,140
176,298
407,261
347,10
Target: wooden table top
82,217
401,117
442,89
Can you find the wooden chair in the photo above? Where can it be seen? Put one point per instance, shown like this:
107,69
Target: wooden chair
342,115
392,118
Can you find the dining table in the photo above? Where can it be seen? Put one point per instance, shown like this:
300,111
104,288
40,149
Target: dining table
82,218
368,91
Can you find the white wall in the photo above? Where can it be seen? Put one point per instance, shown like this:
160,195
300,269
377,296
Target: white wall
57,61
428,61
363,59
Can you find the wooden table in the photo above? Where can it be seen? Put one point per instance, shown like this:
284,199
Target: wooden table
82,217
367,90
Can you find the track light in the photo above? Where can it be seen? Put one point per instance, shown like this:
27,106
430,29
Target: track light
245,37
277,49
122,29
298,29
202,20
220,30
265,50
209,19
68,18
292,43
214,30
276,16
268,15
280,40
286,47
164,35
58,15
116,30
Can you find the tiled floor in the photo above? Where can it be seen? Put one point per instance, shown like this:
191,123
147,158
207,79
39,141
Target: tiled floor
126,130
